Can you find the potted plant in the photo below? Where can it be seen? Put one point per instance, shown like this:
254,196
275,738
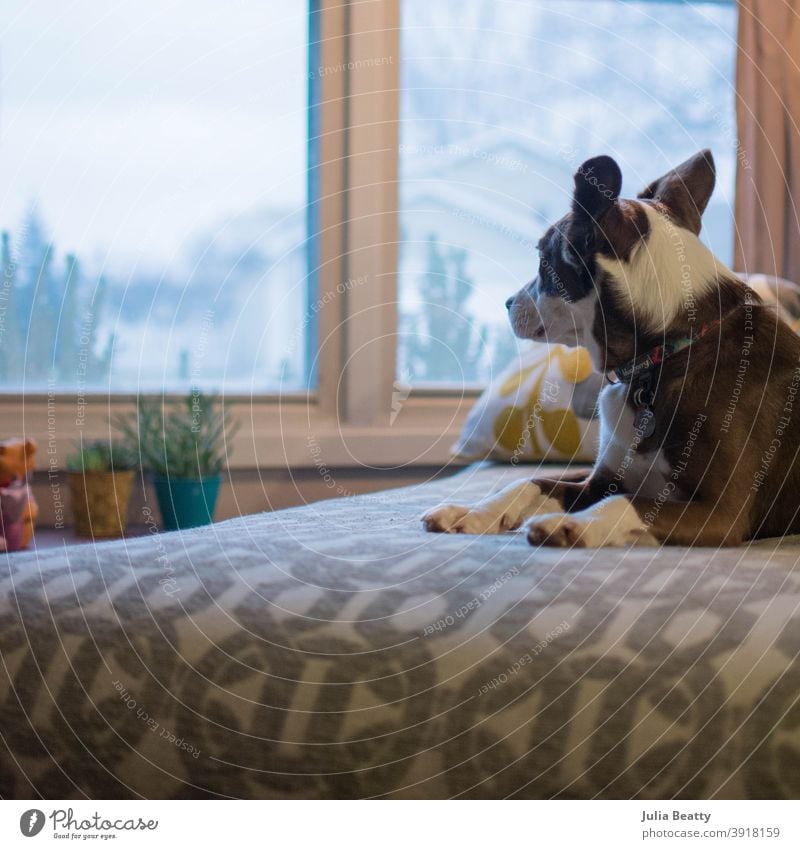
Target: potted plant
184,443
100,480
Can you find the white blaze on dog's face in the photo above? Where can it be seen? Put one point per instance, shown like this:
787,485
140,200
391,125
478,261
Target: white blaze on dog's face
614,267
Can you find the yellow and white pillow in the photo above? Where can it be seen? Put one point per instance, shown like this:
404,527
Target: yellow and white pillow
540,408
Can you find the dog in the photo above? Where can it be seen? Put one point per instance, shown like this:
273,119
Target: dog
699,433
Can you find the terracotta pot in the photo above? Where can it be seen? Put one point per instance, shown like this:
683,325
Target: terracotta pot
100,502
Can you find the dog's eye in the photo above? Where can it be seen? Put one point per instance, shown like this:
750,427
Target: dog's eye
570,254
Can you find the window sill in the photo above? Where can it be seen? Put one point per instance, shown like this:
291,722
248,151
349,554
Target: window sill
291,431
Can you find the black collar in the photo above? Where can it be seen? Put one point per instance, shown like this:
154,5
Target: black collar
629,371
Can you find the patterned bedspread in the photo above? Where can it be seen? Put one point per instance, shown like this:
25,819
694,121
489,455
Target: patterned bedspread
336,650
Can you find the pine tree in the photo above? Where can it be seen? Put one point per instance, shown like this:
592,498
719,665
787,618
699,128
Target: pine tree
31,244
9,319
67,342
39,353
49,325
444,341
99,360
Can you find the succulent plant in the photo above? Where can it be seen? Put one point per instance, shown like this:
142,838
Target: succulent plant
102,456
185,437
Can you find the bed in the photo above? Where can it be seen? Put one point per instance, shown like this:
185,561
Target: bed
337,651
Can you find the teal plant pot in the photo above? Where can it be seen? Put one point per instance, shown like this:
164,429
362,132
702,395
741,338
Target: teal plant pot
184,502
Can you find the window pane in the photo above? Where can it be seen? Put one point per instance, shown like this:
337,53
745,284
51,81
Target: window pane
500,104
153,169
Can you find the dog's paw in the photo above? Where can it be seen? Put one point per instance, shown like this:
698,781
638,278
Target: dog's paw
442,519
502,511
559,530
457,519
612,522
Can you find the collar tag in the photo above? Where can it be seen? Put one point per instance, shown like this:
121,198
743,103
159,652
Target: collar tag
644,423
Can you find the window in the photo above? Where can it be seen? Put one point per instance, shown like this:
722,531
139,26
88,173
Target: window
168,149
153,175
499,105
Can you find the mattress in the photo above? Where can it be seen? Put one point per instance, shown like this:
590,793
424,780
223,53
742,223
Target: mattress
337,651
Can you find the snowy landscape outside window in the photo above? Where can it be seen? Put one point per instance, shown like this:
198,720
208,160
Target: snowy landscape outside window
153,174
499,105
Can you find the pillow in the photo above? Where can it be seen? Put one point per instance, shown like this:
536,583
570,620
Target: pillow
782,294
543,406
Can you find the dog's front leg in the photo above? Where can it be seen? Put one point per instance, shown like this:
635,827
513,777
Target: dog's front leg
723,523
622,520
575,491
613,521
503,511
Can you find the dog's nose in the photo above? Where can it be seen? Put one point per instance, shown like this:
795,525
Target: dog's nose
510,302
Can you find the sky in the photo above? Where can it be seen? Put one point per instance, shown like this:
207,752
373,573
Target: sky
132,125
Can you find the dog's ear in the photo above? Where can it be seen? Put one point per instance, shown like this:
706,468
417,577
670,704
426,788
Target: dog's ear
686,190
598,183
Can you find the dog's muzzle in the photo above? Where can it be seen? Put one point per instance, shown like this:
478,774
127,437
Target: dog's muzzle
526,322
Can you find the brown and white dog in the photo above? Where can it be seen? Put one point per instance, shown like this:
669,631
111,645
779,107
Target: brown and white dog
699,435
